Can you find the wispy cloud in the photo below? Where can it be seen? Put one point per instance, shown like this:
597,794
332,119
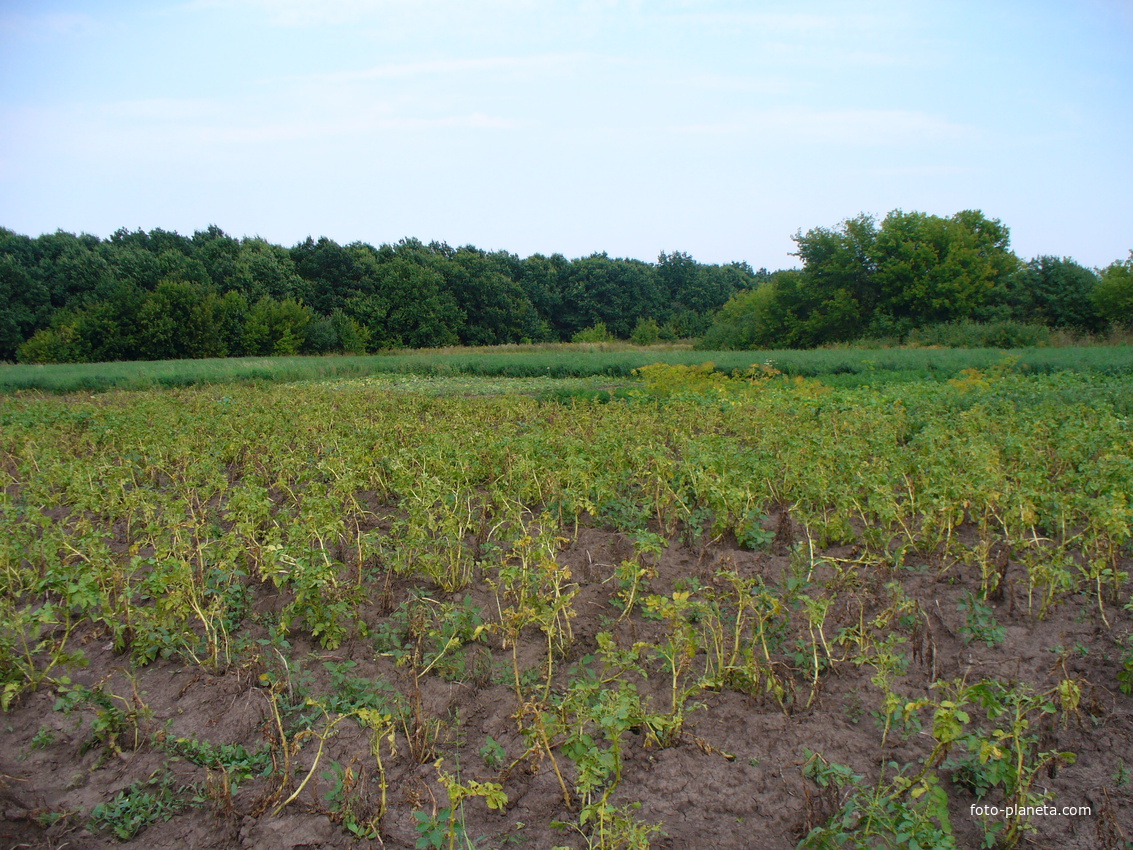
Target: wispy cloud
841,126
775,84
476,120
700,12
799,22
159,109
446,66
176,131
47,26
307,13
282,133
917,171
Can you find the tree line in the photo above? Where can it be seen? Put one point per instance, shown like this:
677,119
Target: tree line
162,295
911,271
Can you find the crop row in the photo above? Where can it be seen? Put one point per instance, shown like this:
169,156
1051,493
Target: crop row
155,518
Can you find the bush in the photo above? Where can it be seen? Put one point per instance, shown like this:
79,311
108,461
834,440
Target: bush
352,337
776,314
52,345
276,327
967,334
646,332
321,337
597,333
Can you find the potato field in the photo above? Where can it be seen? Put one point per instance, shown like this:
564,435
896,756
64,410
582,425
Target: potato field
725,611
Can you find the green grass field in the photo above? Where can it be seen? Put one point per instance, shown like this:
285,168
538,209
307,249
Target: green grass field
842,367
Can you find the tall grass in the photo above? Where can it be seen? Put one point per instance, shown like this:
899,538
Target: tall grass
842,366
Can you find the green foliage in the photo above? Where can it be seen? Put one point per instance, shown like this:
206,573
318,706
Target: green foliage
645,332
24,298
367,508
838,367
445,828
1055,291
159,295
596,333
233,760
970,334
1125,674
178,320
752,534
931,269
859,279
1113,294
431,634
42,739
748,320
897,812
351,337
33,641
980,623
52,345
432,829
347,804
593,714
493,754
1001,752
276,327
116,721
323,604
610,827
349,694
139,806
663,379
320,337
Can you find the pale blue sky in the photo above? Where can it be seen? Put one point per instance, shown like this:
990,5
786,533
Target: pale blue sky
627,126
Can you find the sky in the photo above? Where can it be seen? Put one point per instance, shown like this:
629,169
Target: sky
715,127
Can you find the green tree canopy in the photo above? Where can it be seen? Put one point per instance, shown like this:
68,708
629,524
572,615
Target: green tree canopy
1113,294
911,270
1055,291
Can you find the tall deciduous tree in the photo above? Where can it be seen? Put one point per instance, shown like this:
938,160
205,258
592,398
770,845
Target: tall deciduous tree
1114,292
263,270
912,270
1055,291
930,269
23,300
178,320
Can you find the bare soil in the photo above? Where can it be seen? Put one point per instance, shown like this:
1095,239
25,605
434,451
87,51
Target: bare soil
734,779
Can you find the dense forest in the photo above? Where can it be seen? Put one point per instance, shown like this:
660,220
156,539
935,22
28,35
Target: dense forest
162,295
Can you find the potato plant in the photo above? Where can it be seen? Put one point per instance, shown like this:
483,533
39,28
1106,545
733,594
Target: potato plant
765,540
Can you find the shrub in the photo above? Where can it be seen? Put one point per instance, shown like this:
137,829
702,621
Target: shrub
968,334
597,333
646,332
